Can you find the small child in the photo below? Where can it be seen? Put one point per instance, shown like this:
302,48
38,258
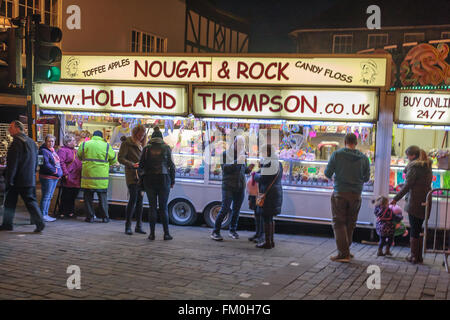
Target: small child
400,228
385,225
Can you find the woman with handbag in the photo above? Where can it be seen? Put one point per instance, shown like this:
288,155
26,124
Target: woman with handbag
270,196
129,155
252,189
71,179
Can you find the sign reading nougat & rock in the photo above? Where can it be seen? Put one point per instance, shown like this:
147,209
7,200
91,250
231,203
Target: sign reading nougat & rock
332,71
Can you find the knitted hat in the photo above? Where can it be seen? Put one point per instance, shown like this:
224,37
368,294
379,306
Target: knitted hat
156,133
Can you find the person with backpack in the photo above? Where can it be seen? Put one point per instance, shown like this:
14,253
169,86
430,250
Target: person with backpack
157,170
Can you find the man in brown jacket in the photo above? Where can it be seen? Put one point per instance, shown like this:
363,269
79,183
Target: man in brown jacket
419,177
129,155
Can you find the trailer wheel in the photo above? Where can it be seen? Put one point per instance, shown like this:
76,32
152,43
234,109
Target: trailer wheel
182,212
210,214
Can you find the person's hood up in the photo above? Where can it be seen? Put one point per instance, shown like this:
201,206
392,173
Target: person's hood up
351,155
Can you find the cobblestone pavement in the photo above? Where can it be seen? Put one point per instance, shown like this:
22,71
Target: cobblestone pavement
192,266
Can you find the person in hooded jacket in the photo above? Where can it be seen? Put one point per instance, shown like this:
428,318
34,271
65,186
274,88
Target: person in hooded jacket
419,177
157,168
351,169
49,174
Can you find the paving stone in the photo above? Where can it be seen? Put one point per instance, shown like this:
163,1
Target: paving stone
193,267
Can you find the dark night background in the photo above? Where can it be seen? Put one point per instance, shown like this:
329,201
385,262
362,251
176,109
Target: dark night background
271,21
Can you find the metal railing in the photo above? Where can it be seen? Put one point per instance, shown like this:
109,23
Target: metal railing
437,223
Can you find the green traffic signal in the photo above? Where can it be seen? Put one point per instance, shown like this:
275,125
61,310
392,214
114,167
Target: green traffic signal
53,74
47,53
47,73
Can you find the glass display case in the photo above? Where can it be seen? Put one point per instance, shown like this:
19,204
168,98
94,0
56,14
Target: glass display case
304,148
183,135
432,141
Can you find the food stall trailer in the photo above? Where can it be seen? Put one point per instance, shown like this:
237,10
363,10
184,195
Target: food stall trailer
308,102
422,118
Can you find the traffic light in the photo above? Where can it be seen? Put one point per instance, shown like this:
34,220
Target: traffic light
11,57
46,53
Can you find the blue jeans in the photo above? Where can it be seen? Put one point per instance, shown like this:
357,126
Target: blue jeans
228,197
48,188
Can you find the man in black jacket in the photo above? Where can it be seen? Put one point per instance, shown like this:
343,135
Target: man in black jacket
20,175
234,169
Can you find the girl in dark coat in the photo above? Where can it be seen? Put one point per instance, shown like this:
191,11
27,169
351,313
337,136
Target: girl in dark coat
269,181
419,177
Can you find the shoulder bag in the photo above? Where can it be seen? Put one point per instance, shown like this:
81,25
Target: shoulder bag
261,197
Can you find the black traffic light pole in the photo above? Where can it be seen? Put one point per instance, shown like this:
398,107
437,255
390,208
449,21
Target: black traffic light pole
30,33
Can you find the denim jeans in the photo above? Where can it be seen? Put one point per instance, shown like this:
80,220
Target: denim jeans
48,187
229,197
28,195
157,188
134,205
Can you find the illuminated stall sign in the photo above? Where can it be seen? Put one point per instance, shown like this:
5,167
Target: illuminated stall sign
423,108
291,104
332,71
167,100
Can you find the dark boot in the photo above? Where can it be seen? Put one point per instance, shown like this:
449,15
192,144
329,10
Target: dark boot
388,251
267,244
380,252
414,243
138,229
420,250
39,227
152,231
128,229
